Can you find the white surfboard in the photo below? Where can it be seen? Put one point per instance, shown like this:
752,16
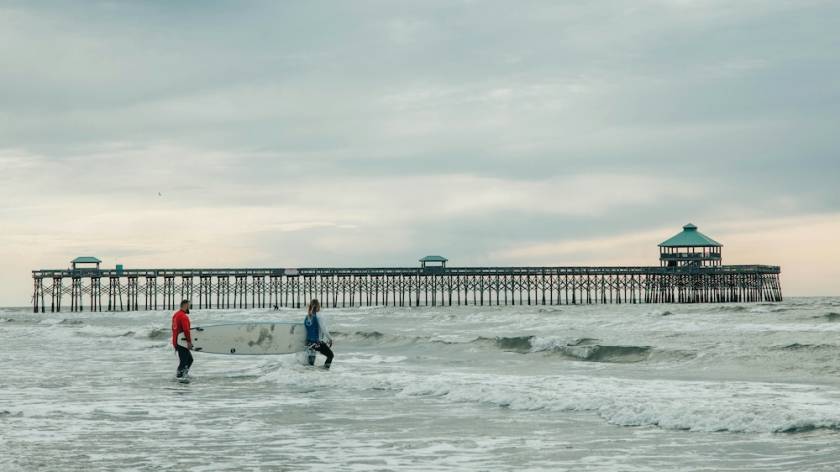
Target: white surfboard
253,338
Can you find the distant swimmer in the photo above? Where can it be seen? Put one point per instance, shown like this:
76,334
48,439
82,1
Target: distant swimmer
318,337
181,324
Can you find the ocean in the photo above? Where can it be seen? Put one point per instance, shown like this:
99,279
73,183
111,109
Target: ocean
580,388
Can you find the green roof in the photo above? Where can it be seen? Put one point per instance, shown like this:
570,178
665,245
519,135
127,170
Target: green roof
434,259
85,260
690,237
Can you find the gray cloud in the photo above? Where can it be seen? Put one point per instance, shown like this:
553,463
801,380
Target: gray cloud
325,125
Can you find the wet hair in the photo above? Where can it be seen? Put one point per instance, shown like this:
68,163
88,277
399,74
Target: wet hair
314,306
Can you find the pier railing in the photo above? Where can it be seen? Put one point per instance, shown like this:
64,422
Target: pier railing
310,272
150,289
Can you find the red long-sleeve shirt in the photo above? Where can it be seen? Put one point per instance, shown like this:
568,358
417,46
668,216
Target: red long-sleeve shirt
180,324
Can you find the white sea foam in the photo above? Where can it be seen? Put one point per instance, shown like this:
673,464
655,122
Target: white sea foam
679,405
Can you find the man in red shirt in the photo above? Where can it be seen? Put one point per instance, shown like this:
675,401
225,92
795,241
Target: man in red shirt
181,324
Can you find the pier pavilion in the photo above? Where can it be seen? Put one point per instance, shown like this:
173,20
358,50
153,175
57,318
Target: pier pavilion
433,262
690,248
85,262
690,270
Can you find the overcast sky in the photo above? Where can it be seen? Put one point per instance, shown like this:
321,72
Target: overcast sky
284,134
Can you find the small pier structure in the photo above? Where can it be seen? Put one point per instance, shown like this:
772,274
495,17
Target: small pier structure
690,271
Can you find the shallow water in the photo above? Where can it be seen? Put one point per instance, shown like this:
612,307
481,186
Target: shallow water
600,388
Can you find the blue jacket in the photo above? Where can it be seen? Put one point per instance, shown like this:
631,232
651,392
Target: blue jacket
313,329
317,329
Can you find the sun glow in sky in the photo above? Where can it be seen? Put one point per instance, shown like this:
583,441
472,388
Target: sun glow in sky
280,134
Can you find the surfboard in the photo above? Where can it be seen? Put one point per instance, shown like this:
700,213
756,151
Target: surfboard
251,338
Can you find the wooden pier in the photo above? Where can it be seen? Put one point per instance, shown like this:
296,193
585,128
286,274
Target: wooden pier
153,289
690,271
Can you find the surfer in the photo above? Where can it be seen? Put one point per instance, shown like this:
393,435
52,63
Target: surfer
181,324
317,335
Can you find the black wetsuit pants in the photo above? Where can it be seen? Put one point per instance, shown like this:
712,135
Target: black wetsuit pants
324,349
185,360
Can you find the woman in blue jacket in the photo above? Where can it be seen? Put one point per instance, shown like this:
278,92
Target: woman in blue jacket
318,338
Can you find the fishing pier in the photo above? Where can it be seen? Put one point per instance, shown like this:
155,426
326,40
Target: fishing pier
690,270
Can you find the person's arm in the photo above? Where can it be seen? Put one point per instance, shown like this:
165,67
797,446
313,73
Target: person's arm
185,326
325,332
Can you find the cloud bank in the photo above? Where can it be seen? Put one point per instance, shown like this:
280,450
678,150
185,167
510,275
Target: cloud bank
372,133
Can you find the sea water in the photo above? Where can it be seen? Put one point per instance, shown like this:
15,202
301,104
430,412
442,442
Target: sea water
583,388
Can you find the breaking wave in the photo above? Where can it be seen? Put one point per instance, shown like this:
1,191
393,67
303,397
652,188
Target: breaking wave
67,321
806,347
20,321
831,316
159,333
732,308
659,313
520,344
592,350
368,337
581,349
